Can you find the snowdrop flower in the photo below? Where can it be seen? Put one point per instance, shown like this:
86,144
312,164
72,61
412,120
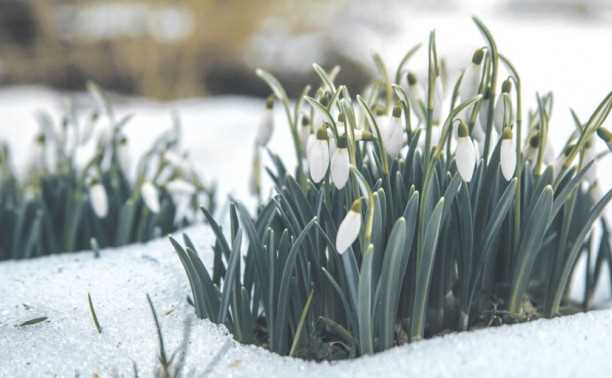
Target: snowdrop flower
318,155
340,164
483,111
177,160
465,154
471,77
507,154
304,131
349,228
266,125
392,133
595,192
123,155
181,187
37,155
606,136
150,196
500,107
98,199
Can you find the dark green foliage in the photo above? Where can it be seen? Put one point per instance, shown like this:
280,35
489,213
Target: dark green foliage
434,254
49,210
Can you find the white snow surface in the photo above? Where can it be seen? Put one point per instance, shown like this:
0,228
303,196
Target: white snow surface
220,136
67,343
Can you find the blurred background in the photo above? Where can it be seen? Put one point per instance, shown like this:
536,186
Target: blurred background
198,57
183,48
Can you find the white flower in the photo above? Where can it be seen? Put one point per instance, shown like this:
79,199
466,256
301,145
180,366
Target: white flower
349,228
471,77
98,199
304,131
177,160
465,154
266,125
318,155
500,107
392,133
181,187
123,155
596,193
507,152
532,147
37,154
340,167
150,196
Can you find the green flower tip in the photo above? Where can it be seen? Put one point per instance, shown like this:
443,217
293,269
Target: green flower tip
477,57
305,120
356,207
411,78
342,142
534,141
604,134
379,110
507,133
341,117
367,136
270,102
463,130
322,132
397,112
507,86
40,138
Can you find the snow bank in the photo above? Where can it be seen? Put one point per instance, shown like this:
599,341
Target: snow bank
67,342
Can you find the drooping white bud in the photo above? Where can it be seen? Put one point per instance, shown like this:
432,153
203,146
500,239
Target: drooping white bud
465,154
392,133
501,107
123,156
340,165
150,196
98,199
471,77
348,231
266,125
595,192
507,152
318,155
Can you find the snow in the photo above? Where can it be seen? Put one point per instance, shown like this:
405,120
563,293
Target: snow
220,133
56,287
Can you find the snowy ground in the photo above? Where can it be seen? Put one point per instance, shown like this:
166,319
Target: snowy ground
67,342
220,133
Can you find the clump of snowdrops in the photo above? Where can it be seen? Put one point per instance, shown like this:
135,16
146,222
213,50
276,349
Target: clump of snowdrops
81,191
417,208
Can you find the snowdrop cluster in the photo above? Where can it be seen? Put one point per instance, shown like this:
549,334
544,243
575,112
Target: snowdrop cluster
416,207
80,183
